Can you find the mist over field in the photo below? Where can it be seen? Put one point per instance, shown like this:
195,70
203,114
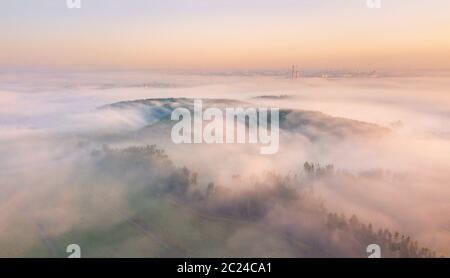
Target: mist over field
87,158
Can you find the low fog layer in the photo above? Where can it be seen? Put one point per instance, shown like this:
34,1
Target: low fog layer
70,171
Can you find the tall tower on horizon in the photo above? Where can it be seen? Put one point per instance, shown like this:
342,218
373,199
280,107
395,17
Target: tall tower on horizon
295,73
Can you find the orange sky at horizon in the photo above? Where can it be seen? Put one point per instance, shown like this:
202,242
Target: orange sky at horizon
344,36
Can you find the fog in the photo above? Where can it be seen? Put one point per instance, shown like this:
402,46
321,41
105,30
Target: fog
63,176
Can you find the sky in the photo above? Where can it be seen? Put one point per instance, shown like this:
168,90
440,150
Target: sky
225,34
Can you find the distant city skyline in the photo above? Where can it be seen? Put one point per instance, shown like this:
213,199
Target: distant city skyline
225,34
